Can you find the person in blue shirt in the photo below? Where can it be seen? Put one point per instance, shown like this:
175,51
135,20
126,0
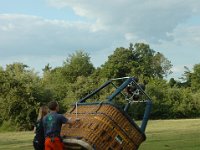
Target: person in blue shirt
52,123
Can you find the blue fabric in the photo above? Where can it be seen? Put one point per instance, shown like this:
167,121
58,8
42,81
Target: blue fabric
52,124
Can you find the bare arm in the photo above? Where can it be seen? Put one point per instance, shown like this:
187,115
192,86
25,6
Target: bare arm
71,122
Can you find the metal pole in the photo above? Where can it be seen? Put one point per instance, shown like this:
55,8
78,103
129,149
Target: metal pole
94,92
146,115
120,88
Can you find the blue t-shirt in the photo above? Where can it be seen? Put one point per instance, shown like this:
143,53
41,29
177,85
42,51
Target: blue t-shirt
52,123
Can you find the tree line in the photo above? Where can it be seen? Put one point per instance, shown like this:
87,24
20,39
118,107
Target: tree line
22,90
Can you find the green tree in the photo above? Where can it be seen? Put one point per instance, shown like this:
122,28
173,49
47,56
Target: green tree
56,82
119,64
186,78
172,82
77,64
195,77
149,63
79,89
61,80
21,96
139,60
157,90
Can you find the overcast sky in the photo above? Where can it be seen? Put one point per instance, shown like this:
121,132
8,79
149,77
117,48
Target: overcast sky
37,32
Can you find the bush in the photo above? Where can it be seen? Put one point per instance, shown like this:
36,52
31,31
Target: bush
7,126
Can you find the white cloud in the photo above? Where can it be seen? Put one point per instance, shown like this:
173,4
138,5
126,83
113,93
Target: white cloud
106,25
178,69
150,20
35,35
33,61
23,37
188,35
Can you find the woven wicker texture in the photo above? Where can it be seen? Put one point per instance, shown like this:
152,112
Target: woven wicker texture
104,127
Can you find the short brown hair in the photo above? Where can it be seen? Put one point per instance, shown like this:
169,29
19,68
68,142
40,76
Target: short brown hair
52,105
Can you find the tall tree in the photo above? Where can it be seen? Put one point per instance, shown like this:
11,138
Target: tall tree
77,64
195,77
149,63
119,64
139,60
21,96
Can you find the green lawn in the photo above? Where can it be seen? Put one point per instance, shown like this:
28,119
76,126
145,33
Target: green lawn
161,135
172,135
16,141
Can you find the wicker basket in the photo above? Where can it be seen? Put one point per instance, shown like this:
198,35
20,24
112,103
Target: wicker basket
101,127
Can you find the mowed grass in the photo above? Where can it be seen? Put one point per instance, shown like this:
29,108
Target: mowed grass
16,141
161,135
172,135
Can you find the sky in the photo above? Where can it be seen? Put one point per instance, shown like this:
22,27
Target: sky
38,32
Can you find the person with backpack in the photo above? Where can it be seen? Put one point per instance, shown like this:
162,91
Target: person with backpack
39,138
52,126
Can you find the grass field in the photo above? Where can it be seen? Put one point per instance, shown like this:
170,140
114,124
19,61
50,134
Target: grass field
172,135
161,135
